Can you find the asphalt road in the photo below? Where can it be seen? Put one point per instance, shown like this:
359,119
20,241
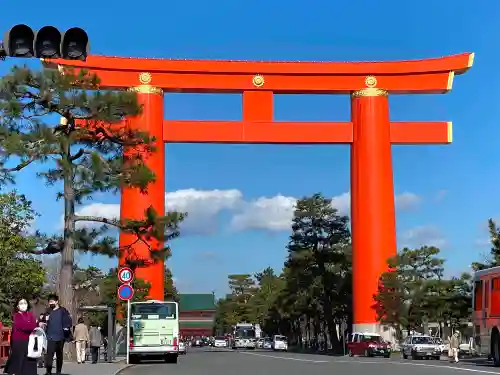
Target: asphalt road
209,361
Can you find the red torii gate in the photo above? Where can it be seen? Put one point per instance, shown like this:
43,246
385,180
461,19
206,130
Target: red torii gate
370,134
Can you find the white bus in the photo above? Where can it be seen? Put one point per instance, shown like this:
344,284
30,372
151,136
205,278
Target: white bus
154,330
244,336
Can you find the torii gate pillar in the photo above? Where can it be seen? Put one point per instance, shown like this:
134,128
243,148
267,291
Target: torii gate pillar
372,199
134,202
370,134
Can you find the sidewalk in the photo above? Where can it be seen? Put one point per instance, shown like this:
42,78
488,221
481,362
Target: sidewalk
103,368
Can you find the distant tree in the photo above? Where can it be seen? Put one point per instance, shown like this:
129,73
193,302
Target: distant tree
266,295
493,258
242,286
319,262
89,151
448,302
226,315
403,293
171,293
22,275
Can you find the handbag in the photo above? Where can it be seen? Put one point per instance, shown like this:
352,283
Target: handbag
37,343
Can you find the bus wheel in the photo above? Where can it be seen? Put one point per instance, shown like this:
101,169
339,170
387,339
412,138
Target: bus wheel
171,358
134,359
495,348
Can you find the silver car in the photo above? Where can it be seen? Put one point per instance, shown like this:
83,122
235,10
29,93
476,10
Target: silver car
420,347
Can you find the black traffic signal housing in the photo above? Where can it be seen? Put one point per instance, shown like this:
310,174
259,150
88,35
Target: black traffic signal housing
18,41
48,43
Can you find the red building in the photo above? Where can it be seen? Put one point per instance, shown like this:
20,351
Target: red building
196,314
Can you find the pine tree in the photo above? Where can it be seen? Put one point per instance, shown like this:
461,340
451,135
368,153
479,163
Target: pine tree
84,152
493,259
170,291
319,259
406,291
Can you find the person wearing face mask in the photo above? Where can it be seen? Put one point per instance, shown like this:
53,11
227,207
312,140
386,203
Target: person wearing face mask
23,324
58,331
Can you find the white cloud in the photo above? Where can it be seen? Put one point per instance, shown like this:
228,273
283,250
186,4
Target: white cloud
265,213
424,235
407,201
204,206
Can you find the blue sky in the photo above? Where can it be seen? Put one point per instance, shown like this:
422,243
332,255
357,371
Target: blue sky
450,191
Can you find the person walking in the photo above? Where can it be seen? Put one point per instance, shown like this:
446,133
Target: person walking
81,336
95,343
58,332
454,347
24,322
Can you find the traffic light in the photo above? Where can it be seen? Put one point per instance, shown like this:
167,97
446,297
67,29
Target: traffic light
48,43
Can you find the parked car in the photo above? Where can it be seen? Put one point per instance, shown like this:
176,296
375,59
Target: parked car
443,348
260,343
280,343
197,342
268,343
220,342
420,346
368,345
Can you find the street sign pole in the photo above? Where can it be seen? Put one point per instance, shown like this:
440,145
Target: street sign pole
126,293
128,331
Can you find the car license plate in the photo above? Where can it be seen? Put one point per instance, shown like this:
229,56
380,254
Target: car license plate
164,341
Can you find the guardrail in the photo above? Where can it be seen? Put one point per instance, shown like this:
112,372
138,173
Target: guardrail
4,345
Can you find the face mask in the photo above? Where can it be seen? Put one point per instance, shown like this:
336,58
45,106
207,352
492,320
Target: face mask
52,306
23,307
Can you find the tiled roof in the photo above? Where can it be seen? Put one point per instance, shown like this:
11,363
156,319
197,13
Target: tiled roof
195,302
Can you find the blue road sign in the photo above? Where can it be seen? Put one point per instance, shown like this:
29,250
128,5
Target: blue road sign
125,292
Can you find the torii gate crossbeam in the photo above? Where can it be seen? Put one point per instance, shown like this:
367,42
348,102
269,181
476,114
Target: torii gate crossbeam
370,134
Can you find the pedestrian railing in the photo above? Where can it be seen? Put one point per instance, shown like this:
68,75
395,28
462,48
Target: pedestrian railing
4,345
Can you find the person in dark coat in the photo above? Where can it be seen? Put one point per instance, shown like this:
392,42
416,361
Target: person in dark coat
23,324
58,332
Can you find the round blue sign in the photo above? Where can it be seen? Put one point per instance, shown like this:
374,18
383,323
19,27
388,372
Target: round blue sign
125,292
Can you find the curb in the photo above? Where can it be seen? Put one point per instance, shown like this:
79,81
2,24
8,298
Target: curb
122,369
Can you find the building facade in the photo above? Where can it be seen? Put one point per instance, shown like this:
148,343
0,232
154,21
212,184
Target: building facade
196,314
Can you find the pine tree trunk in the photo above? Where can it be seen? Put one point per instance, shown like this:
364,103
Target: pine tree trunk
66,291
331,324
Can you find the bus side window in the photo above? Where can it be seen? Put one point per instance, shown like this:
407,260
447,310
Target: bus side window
487,293
478,295
495,297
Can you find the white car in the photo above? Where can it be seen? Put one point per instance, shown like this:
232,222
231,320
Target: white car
268,343
280,343
220,342
443,348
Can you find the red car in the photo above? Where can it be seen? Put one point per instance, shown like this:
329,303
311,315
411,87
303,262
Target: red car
368,345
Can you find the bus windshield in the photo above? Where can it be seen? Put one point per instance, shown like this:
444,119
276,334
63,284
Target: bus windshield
245,332
154,310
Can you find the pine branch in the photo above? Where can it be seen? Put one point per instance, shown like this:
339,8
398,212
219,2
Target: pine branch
19,166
